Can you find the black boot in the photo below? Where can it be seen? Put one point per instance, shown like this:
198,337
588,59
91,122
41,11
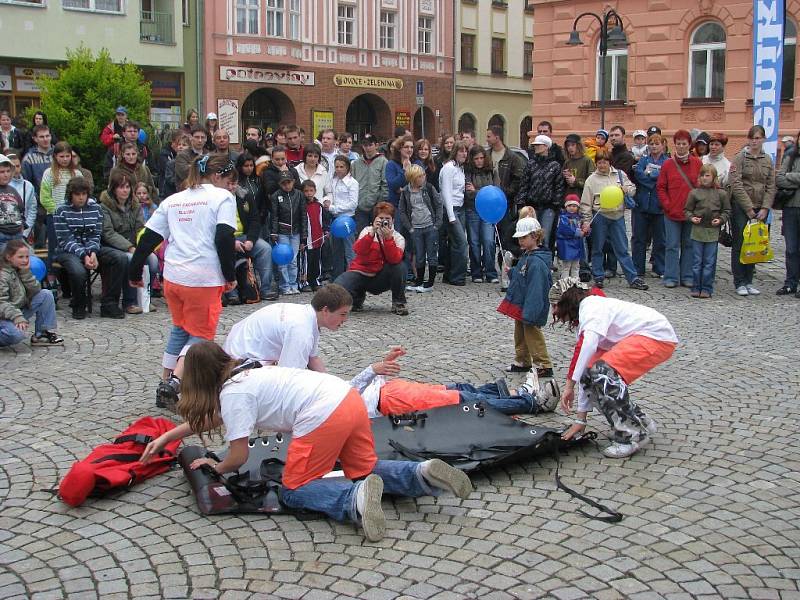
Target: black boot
428,286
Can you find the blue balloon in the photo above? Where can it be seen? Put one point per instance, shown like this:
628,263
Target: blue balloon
38,268
491,203
343,226
282,254
142,136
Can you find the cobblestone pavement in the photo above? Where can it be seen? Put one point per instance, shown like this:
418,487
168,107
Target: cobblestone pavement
709,508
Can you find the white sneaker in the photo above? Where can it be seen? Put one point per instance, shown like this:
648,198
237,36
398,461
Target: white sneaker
441,475
413,288
742,290
550,396
532,379
291,292
424,290
368,506
620,450
752,291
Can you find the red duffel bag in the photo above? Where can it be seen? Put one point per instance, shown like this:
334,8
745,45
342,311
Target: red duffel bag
116,465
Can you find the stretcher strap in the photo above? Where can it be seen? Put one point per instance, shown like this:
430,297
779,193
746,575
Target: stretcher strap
137,438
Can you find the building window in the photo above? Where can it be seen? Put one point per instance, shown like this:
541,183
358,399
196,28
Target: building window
528,59
294,19
498,121
274,18
789,60
425,35
185,12
616,84
114,6
345,24
707,62
388,30
467,52
467,122
247,16
498,55
35,2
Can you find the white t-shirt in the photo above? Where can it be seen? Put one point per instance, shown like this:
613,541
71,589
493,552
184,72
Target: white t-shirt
188,221
286,334
613,320
279,399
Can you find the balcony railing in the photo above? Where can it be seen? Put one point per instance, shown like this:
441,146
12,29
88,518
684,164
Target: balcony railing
157,27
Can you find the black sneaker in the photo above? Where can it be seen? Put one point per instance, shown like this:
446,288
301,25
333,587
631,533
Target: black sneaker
271,296
47,338
785,291
598,283
78,312
112,312
542,372
399,308
166,396
357,308
639,284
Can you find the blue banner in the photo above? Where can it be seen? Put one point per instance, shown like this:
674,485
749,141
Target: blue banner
768,21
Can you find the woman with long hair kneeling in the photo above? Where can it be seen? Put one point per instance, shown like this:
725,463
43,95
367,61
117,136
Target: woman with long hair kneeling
328,422
618,342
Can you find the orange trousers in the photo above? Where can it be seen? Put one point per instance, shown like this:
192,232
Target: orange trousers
400,396
195,309
635,355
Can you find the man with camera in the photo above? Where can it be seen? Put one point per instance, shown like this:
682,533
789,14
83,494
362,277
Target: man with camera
378,266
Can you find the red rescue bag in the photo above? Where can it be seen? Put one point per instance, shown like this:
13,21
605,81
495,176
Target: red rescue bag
116,465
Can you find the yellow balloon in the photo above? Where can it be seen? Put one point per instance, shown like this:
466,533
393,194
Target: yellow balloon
611,198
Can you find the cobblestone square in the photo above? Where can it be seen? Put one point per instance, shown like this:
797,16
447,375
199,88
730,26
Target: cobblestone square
711,508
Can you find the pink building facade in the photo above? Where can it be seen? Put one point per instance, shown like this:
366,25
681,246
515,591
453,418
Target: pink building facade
689,64
353,65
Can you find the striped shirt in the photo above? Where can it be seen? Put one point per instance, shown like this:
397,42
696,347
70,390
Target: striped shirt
78,229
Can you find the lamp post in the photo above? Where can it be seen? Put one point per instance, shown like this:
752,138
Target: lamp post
614,37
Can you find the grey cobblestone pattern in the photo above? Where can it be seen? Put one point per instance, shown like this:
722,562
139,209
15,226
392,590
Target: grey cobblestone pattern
711,508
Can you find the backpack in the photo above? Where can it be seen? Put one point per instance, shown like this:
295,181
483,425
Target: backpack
116,465
246,281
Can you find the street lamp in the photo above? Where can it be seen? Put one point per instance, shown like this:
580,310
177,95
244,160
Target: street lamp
614,38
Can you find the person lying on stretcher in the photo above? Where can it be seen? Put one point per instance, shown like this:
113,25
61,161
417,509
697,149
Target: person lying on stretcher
397,396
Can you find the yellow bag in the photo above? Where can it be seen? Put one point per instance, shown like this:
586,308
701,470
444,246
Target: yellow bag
755,245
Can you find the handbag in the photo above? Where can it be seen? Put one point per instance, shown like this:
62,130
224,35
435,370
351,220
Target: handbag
628,200
725,235
784,194
755,244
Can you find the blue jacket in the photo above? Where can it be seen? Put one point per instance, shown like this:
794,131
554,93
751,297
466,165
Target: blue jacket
395,181
78,229
527,295
646,196
569,240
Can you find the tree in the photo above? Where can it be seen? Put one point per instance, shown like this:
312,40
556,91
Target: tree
82,100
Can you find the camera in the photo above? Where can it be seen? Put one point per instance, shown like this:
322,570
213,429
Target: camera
384,223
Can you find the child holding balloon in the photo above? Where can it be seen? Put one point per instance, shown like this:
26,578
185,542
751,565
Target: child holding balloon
289,226
22,297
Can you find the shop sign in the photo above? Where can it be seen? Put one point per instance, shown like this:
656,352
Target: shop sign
365,81
27,85
402,118
5,79
321,120
253,75
31,73
228,114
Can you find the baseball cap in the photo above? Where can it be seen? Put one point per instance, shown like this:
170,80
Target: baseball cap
526,226
543,140
285,176
640,133
653,129
368,139
121,110
787,138
562,285
212,117
4,160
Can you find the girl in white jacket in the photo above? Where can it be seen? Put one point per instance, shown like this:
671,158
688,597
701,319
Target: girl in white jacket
343,201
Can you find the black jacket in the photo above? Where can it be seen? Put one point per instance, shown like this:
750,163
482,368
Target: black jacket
623,159
270,177
288,215
166,172
255,193
510,170
248,213
542,184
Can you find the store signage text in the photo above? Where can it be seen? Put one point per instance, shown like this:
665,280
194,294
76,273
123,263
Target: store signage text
252,75
361,81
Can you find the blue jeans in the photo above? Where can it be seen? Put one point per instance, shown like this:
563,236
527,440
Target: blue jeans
343,254
178,339
43,307
289,272
5,238
262,263
742,274
678,255
613,231
490,395
790,225
704,266
481,246
337,498
426,247
547,219
647,226
457,239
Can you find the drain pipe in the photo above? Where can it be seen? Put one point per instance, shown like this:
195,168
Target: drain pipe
456,20
199,26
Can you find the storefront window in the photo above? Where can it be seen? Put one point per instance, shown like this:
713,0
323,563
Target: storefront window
616,82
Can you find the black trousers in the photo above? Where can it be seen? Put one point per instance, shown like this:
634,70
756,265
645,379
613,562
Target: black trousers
391,277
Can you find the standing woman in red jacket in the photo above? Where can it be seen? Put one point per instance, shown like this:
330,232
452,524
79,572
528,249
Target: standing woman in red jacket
678,177
378,265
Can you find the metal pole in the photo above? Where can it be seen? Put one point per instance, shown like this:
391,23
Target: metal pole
422,120
603,54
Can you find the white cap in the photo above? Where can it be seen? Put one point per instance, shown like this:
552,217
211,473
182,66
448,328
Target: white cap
212,117
527,225
542,139
640,132
787,138
4,160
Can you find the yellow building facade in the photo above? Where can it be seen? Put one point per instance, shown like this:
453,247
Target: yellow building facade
494,67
